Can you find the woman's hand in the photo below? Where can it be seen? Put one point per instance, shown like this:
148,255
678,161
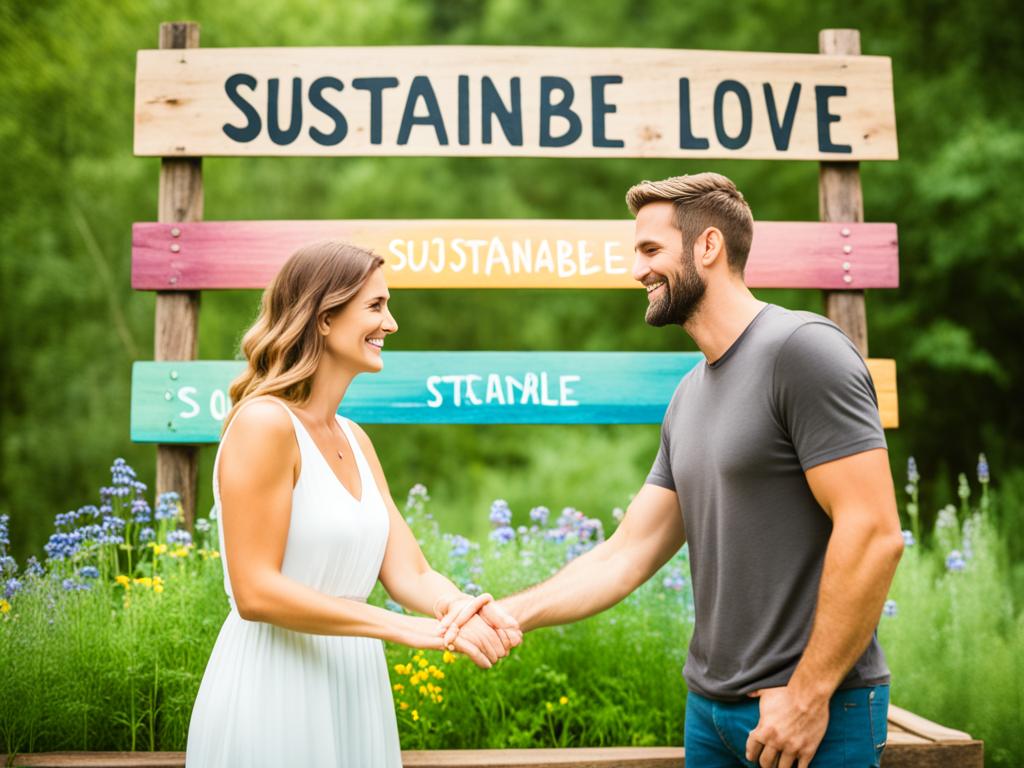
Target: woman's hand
427,634
458,613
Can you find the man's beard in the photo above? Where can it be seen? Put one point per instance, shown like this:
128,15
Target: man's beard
683,294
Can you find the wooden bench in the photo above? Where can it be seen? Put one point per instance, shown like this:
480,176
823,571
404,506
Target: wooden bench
913,743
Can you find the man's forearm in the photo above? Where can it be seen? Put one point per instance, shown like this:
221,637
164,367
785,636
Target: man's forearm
858,569
590,584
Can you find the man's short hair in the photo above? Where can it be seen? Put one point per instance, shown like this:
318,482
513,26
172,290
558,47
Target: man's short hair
702,200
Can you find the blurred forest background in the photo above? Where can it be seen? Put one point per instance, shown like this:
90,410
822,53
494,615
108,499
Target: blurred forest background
70,325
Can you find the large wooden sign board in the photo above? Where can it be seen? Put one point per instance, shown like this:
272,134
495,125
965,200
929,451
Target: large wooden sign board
185,402
498,253
513,101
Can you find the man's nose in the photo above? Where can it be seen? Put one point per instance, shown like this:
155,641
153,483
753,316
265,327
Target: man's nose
640,268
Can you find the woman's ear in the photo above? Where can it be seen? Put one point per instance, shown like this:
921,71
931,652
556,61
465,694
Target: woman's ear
323,324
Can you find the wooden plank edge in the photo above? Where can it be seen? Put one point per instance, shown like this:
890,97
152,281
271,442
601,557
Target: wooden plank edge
924,728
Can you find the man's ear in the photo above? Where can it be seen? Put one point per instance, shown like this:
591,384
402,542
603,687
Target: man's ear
710,246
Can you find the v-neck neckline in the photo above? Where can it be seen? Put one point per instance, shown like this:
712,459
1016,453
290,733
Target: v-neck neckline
352,447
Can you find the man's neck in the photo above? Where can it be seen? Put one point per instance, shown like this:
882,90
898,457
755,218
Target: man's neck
721,319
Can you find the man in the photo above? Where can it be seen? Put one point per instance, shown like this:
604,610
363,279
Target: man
772,451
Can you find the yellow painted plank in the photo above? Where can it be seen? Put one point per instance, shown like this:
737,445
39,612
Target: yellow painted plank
514,101
883,372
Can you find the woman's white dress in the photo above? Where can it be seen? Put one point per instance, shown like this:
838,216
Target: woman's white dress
274,697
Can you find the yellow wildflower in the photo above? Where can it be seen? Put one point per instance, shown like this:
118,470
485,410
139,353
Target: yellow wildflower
5,607
440,698
415,715
549,705
423,662
437,674
158,588
564,700
214,554
158,549
403,705
398,687
415,679
144,581
179,552
448,658
124,581
423,690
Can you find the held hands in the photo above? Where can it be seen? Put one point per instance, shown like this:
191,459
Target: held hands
788,732
479,623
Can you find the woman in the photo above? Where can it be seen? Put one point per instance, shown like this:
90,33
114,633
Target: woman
307,524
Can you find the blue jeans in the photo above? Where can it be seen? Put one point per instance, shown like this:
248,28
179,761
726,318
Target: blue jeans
716,732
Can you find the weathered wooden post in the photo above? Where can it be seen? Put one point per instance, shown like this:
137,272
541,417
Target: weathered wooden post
840,199
177,312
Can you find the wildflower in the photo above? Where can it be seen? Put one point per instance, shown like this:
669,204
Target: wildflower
501,514
398,687
618,514
141,511
540,515
158,584
963,489
946,517
563,700
168,506
415,715
912,474
12,586
5,607
214,554
908,539
549,706
8,565
181,538
70,585
5,537
983,476
448,657
89,572
158,549
503,535
178,552
889,609
472,589
417,495
33,567
674,580
123,580
146,534
955,562
203,525
460,546
403,705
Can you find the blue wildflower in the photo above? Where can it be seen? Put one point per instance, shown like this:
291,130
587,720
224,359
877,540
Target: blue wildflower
618,514
8,565
503,535
946,517
912,474
983,476
147,534
141,511
908,539
501,515
202,525
89,572
181,538
674,580
70,585
955,562
33,567
5,539
167,505
471,589
417,494
10,587
889,609
540,515
460,546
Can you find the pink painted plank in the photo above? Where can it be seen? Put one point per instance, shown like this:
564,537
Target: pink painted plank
499,253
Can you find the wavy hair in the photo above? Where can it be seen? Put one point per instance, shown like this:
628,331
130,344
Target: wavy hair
283,347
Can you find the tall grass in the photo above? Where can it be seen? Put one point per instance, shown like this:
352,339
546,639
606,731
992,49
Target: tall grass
111,658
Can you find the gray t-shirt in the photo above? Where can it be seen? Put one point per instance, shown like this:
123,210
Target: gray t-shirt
790,393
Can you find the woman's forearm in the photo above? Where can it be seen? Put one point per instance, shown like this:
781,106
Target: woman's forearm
421,593
283,602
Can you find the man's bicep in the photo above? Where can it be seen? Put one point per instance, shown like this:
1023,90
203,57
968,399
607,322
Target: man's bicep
652,530
860,484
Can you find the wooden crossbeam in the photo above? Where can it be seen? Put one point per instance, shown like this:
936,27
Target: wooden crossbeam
499,253
186,402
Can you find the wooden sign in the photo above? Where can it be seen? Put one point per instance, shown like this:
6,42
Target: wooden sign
498,253
513,101
185,402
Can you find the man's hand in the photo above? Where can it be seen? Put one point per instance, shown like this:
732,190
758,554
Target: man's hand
788,731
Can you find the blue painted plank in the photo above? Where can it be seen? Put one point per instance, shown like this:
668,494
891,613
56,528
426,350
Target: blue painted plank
185,402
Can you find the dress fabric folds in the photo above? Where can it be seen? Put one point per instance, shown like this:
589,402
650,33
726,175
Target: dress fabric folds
274,697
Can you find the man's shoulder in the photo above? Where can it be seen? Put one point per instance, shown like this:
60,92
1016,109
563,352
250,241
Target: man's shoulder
796,329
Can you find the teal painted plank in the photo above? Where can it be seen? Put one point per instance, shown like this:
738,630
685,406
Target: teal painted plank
185,402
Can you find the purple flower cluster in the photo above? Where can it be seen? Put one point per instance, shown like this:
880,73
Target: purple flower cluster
889,609
501,522
5,536
460,545
179,538
912,474
11,586
417,495
168,506
908,539
955,562
540,515
675,580
983,475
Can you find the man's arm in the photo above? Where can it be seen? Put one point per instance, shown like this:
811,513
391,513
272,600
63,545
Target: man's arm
650,533
863,550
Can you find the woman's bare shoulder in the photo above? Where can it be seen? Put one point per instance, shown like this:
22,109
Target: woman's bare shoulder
262,425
